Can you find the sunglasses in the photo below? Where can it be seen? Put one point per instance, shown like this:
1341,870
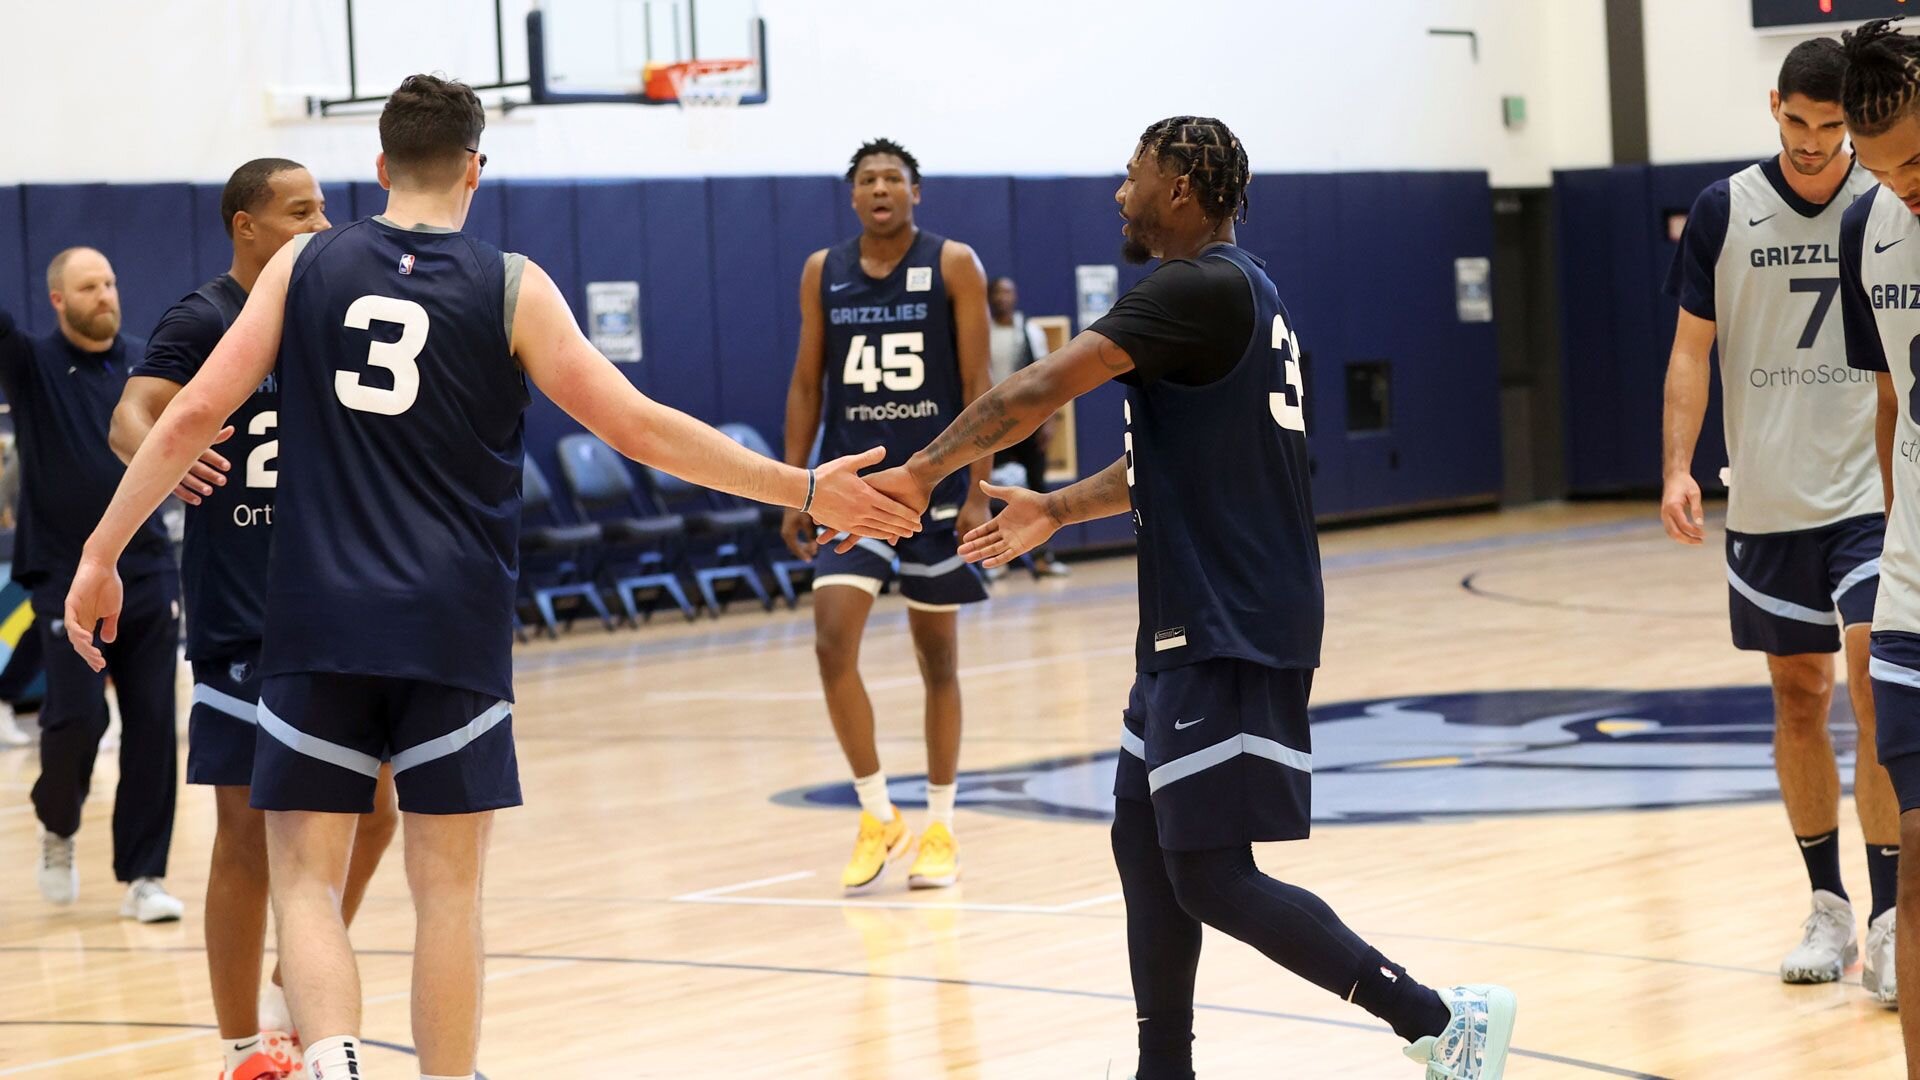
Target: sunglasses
483,158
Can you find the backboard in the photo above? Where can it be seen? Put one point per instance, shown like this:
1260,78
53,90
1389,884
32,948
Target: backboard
646,52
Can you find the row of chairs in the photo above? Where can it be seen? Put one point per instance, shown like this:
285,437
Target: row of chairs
642,542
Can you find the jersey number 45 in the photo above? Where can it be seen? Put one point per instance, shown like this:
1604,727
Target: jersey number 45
896,363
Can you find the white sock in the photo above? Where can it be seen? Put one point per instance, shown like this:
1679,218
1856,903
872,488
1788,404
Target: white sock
873,795
274,1013
940,803
430,1076
236,1051
334,1058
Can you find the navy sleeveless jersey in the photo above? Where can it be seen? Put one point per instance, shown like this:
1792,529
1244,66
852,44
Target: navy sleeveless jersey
224,561
892,371
396,548
1229,559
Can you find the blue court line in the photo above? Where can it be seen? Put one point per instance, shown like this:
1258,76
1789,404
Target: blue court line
930,980
396,1047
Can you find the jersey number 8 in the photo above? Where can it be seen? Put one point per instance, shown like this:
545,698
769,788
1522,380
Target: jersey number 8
896,363
396,356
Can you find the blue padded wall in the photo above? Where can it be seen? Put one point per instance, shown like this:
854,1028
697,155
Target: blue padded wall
1617,322
1363,262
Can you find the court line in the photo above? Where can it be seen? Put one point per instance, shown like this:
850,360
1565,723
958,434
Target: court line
900,682
724,894
1470,584
198,1031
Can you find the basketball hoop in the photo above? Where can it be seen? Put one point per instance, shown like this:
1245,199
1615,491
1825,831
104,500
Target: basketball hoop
704,84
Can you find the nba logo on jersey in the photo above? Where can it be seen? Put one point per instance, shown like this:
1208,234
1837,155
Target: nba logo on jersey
406,263
919,278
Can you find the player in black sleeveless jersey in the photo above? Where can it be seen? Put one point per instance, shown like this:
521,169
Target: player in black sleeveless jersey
1216,748
405,348
266,203
893,344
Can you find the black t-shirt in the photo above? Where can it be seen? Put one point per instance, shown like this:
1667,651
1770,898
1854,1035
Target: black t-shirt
1188,322
63,401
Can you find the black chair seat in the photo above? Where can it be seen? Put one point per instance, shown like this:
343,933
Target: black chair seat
558,537
635,530
736,519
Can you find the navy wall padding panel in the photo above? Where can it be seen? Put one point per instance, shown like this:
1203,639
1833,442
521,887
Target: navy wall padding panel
1363,262
751,286
1617,322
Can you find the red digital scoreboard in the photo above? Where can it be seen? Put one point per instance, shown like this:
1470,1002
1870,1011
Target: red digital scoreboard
1769,14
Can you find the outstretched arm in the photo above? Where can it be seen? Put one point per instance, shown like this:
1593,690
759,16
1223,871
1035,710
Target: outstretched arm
967,291
1007,413
141,404
568,369
1029,519
804,395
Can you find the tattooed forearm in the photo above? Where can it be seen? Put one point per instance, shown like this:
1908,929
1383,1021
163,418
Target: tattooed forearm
1103,494
997,419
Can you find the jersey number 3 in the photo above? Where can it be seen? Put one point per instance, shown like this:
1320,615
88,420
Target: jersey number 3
1288,406
396,356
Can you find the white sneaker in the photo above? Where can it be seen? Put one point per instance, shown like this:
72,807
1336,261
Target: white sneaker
59,874
1474,1044
10,734
1877,974
1828,944
150,902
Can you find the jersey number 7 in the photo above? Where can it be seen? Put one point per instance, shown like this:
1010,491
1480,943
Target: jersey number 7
1825,289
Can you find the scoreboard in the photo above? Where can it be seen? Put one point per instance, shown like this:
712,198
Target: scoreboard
1769,14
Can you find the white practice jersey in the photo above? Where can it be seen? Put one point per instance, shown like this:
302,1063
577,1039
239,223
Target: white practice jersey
1880,305
1762,263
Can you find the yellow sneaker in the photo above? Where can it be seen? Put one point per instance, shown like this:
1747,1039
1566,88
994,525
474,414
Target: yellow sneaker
877,845
938,864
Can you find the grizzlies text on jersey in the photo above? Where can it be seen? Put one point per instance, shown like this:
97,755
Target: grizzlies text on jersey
224,563
892,371
396,547
1762,263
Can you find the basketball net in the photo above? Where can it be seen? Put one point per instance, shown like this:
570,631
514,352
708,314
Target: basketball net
708,93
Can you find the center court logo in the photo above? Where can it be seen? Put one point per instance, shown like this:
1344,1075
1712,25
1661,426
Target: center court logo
1456,755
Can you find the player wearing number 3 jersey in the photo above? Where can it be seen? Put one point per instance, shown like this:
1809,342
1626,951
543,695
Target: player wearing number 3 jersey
1757,270
1216,747
404,349
893,344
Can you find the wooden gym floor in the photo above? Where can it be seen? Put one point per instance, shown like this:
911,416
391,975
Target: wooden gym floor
666,904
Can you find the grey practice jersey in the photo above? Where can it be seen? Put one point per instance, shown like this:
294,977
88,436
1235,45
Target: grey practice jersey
1880,303
1763,264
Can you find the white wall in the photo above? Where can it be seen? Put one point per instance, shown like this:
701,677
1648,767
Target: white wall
1708,73
133,89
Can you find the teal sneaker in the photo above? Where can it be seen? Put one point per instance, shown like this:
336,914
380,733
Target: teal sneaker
1474,1044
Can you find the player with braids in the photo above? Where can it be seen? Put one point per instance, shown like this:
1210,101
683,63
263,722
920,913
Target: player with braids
1216,747
1879,295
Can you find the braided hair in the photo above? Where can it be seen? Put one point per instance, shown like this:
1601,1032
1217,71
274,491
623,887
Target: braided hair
883,146
1204,151
1883,76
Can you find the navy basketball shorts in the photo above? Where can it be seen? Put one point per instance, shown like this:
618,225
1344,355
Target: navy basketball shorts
222,722
323,736
927,564
1221,751
1794,592
1895,669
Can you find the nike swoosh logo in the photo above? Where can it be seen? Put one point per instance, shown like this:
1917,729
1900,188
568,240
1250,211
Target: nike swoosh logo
1758,220
1182,725
842,285
1889,852
1813,843
1880,248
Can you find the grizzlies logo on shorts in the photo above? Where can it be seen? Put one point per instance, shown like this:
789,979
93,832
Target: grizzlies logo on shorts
222,725
1793,592
1222,750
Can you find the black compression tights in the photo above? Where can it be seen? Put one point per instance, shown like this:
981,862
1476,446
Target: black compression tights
1170,894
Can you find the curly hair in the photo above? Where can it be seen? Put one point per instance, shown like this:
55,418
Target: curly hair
883,146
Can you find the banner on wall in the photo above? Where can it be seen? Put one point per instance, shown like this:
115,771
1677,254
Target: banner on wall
1098,288
1473,288
613,319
